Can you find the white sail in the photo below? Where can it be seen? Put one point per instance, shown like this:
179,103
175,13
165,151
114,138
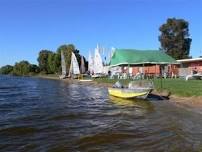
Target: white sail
63,64
83,69
98,64
90,63
74,66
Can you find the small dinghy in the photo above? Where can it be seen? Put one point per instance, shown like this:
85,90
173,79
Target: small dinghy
134,90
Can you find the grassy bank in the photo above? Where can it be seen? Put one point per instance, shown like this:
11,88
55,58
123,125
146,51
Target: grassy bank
178,87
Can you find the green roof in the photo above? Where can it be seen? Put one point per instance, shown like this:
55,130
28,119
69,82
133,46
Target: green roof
139,57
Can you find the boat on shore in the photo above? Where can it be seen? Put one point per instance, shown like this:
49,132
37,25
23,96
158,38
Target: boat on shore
85,80
83,77
74,70
129,93
96,66
134,90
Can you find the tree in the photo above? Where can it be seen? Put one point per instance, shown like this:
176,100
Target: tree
43,61
34,69
57,63
7,69
175,39
22,68
51,63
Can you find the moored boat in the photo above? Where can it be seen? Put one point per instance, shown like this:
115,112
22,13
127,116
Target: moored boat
83,77
74,70
132,91
85,80
129,93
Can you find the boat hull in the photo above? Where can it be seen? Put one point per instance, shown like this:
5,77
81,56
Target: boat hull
85,80
128,93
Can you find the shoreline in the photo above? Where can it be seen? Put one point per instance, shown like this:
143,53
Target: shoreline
192,102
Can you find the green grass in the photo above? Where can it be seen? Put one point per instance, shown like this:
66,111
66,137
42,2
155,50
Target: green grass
178,87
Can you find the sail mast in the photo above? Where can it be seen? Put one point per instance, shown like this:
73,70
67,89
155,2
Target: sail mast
63,64
82,68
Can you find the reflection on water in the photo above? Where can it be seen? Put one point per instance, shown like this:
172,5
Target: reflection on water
139,103
49,115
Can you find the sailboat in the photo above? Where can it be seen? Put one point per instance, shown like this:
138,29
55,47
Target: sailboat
74,67
83,70
98,64
90,63
63,65
82,67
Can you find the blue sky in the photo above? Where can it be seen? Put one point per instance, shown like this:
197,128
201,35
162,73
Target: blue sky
27,26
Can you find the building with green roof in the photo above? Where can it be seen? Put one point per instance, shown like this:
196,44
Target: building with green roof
132,57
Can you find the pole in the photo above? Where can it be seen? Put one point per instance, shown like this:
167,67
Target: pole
128,72
161,77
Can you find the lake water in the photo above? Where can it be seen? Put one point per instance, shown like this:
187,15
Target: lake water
50,115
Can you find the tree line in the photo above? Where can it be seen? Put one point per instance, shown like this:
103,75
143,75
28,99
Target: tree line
49,62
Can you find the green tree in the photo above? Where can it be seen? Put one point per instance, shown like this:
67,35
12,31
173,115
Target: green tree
51,63
57,63
22,68
34,69
7,69
175,39
43,61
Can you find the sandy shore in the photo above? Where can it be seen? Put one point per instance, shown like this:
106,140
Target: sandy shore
193,102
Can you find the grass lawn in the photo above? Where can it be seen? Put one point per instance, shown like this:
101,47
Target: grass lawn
178,87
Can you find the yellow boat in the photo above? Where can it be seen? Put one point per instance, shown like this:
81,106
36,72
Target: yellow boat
129,93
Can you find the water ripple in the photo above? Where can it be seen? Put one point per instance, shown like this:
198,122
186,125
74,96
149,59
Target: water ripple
49,115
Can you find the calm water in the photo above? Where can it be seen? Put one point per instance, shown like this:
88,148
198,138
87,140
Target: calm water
49,115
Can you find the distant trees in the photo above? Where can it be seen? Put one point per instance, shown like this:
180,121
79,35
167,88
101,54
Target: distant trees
7,69
34,69
20,68
43,61
49,62
175,39
24,68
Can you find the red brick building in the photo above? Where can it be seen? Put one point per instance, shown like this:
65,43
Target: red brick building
187,66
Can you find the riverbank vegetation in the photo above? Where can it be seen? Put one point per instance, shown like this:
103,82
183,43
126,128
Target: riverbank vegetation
49,62
22,68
